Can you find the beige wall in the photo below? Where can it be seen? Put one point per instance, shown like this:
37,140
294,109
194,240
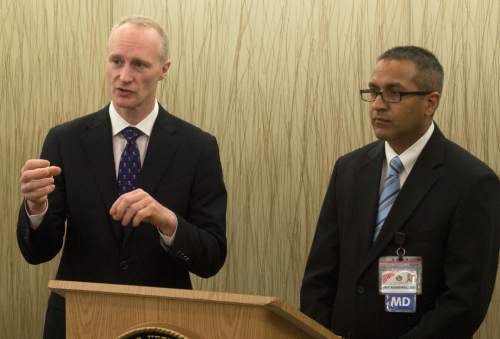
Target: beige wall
277,83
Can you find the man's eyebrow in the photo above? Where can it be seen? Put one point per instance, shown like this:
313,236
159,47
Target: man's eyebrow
142,61
393,84
134,60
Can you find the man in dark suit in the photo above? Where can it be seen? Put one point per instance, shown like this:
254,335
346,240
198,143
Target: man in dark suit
141,191
435,203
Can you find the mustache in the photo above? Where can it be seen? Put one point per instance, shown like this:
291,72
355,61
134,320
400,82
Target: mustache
377,115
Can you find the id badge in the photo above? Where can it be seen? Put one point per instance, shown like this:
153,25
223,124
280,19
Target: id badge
400,280
400,275
401,303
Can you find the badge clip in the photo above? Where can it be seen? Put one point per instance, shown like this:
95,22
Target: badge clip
400,239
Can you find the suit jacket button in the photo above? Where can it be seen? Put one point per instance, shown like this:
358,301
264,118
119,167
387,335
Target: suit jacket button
124,265
360,290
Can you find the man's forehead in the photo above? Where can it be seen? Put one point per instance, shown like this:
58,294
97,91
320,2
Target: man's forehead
393,72
134,42
134,29
134,34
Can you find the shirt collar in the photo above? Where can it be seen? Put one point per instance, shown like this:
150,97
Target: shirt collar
411,154
145,126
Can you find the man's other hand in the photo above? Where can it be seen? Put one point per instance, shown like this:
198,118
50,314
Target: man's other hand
138,206
37,182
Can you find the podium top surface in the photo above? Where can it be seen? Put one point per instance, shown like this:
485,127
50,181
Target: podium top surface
61,287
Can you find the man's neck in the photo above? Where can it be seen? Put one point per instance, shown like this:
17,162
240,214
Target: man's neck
134,116
399,146
420,139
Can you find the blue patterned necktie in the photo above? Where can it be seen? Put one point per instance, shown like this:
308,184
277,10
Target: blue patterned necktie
388,194
130,162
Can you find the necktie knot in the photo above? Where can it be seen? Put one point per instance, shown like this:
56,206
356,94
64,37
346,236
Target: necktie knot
395,166
131,134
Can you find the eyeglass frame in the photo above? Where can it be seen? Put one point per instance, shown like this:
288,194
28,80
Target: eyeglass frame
381,93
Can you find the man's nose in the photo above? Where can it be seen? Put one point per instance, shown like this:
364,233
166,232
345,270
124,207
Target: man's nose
125,74
378,103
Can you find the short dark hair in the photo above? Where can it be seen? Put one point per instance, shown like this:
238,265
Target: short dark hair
430,73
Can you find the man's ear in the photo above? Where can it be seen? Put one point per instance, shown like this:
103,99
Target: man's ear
164,69
432,102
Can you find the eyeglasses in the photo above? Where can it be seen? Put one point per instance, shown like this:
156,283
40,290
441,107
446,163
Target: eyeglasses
371,94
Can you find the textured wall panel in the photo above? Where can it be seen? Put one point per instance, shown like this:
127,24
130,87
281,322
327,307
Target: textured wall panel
51,61
277,83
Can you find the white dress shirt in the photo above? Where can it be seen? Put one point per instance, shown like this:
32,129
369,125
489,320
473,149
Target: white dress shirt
408,157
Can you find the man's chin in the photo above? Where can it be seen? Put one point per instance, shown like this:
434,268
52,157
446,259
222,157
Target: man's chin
381,133
123,103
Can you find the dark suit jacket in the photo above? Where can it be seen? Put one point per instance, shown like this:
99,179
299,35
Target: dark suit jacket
448,210
181,170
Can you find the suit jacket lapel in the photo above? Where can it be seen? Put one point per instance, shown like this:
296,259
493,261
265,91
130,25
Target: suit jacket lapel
98,146
424,174
366,193
162,146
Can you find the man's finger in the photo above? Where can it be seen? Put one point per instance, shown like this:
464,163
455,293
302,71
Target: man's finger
142,215
124,201
34,185
35,174
39,195
132,210
39,173
35,163
55,170
119,207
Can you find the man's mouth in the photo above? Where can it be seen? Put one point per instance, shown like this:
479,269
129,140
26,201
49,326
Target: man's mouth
124,91
380,120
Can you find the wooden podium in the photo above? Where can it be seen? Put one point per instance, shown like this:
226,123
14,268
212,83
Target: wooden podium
117,311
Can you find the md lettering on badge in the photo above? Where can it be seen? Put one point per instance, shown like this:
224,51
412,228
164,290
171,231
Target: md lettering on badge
401,303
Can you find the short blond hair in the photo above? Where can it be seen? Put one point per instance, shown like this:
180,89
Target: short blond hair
143,21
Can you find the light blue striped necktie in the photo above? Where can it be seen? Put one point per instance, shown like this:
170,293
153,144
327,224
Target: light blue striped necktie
388,194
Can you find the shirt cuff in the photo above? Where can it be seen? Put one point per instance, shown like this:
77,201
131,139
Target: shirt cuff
165,240
36,219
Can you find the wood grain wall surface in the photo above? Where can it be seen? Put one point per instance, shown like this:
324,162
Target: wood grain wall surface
277,83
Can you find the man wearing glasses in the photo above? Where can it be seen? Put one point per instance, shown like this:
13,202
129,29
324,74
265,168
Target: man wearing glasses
406,244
